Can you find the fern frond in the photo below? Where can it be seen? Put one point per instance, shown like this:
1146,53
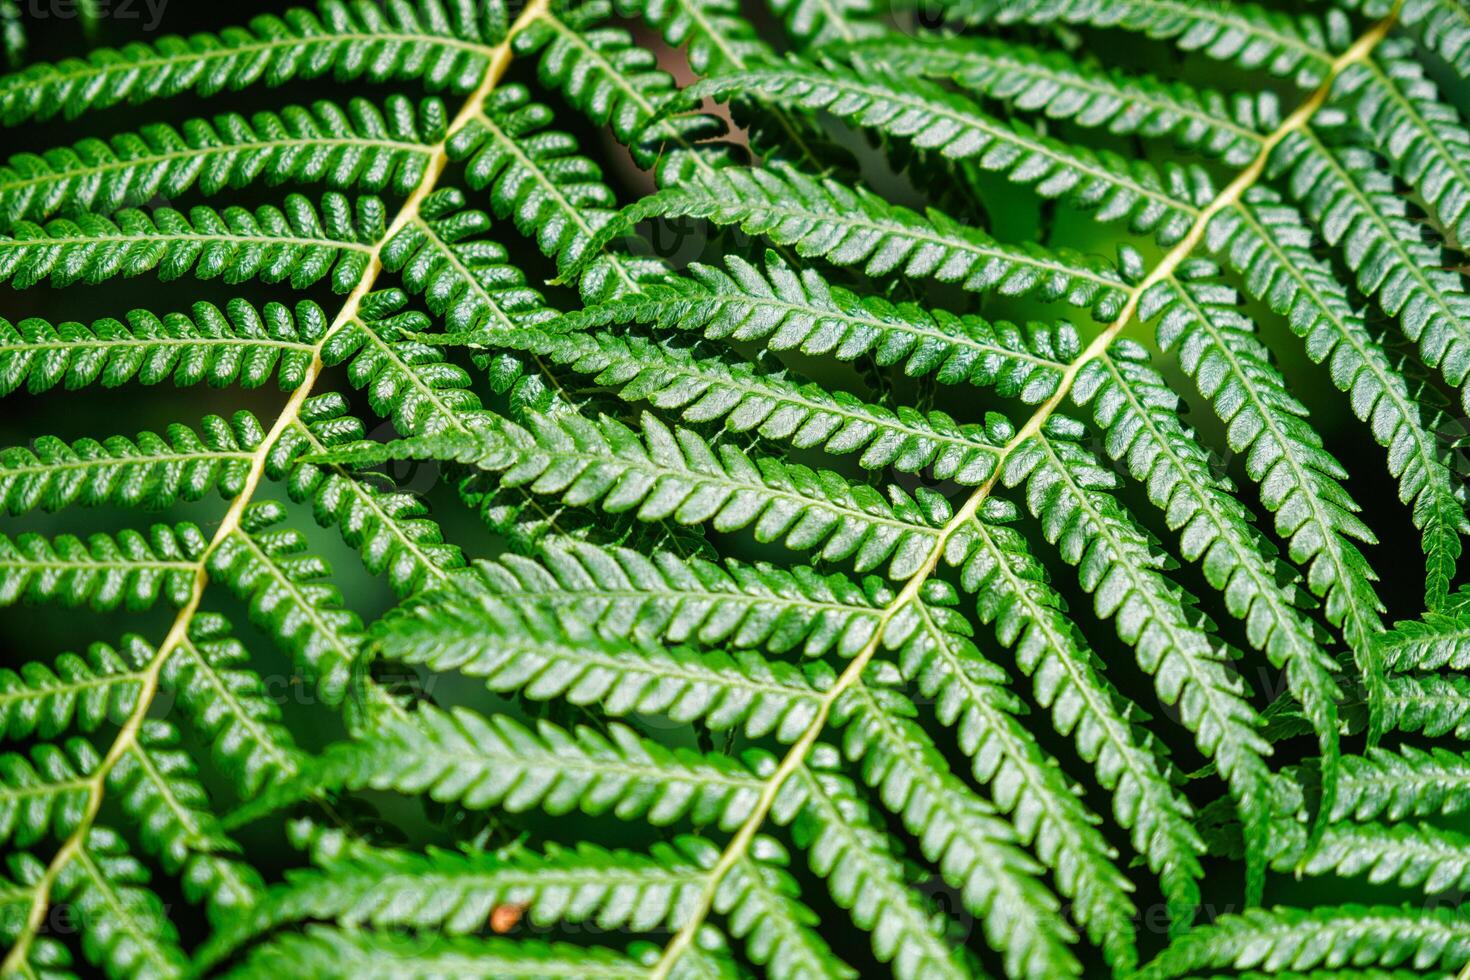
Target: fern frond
268,567
238,345
1027,783
1301,939
462,276
1443,27
1246,34
820,23
847,226
606,76
709,389
664,598
106,883
1400,110
803,312
455,892
464,757
1420,857
1121,568
718,36
391,531
152,471
1355,205
690,648
622,593
227,704
106,571
537,179
224,702
664,473
1405,782
1269,244
1140,415
158,787
718,39
48,793
973,849
1437,641
360,147
320,951
516,648
1062,87
762,902
406,381
413,40
1435,704
44,792
1029,616
1153,201
944,664
847,846
45,700
1299,480
295,242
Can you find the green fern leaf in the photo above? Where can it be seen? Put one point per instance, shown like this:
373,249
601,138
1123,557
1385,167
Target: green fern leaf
1405,273
1058,85
1443,27
514,648
848,847
487,761
805,313
674,474
1267,242
268,567
819,23
1247,34
321,951
848,226
456,892
106,880
361,147
1122,569
665,598
295,243
1301,939
47,700
403,41
536,178
1298,479
152,471
663,468
129,569
1027,614
1435,704
239,345
710,389
45,792
1406,782
612,81
956,128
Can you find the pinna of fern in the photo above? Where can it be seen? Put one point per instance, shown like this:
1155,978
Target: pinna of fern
875,550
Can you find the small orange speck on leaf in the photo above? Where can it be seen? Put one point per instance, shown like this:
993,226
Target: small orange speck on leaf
504,918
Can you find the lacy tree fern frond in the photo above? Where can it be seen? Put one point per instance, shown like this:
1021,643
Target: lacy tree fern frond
360,146
679,489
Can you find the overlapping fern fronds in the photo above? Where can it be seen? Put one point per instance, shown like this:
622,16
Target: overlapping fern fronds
880,582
